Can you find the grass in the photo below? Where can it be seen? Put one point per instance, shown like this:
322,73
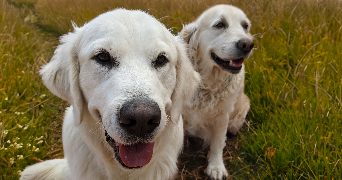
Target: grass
294,81
295,90
28,111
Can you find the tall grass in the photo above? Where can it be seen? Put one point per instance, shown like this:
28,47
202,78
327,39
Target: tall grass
294,81
172,13
27,109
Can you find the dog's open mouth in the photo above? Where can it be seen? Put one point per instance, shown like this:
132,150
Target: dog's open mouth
234,66
131,156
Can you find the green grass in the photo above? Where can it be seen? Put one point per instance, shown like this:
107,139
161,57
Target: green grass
294,81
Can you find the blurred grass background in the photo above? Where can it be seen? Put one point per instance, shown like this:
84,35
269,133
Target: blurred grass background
294,81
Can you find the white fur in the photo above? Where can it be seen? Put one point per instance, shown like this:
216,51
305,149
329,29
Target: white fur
134,39
219,103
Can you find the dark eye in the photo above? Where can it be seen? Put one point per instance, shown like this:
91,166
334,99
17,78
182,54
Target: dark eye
220,25
160,61
245,26
105,59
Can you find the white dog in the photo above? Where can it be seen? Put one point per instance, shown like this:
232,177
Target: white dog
218,43
126,77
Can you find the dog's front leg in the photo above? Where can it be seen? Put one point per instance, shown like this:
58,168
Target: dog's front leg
216,168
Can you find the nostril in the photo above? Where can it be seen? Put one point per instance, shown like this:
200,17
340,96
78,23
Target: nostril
153,122
252,45
128,123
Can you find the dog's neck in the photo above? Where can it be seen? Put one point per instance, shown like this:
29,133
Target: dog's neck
218,80
216,87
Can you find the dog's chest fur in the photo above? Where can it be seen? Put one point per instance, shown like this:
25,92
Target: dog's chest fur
215,95
213,102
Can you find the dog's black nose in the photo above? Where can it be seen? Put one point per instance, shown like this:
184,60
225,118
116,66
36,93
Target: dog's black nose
140,116
245,45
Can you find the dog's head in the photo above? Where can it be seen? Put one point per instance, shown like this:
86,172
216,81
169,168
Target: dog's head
130,73
221,34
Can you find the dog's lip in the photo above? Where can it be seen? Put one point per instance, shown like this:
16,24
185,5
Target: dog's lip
125,150
232,65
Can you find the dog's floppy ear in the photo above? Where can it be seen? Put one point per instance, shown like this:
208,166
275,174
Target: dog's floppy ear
61,74
187,80
188,32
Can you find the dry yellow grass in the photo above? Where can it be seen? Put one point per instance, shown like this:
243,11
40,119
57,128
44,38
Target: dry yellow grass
56,15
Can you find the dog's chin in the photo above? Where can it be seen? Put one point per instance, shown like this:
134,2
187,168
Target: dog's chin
232,65
131,156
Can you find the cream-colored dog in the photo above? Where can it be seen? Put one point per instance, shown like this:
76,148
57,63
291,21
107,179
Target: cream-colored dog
218,43
126,77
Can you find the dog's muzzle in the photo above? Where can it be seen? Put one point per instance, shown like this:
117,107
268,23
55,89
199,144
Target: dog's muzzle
139,119
233,66
244,47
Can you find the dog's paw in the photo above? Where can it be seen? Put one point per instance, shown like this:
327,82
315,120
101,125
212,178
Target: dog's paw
217,172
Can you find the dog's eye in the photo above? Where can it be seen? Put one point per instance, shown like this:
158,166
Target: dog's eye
245,25
220,25
105,59
160,61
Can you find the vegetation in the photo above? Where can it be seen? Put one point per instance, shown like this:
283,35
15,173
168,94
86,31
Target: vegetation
294,81
30,115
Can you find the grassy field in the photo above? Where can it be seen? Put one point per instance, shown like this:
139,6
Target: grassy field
294,81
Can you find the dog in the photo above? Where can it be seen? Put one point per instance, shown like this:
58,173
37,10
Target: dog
126,78
218,43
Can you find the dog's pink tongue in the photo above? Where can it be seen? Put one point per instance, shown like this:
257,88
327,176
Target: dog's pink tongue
136,155
236,63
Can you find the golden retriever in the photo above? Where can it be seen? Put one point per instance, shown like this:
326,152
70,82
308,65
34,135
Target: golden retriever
218,43
126,78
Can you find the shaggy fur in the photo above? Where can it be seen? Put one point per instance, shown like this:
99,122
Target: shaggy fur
119,56
219,103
